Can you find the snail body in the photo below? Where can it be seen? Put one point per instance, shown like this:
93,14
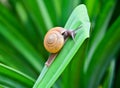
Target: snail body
54,40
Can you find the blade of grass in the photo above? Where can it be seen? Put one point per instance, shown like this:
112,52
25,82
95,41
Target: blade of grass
36,15
110,75
50,74
107,48
7,82
18,76
57,5
10,56
27,26
76,66
12,18
99,30
44,14
21,44
27,22
7,14
90,4
54,10
117,72
74,70
3,86
67,7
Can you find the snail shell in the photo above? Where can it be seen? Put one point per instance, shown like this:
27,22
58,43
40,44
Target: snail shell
54,40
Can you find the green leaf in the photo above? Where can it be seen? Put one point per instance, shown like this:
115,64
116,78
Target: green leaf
50,74
11,73
100,29
21,44
117,73
54,9
44,13
103,55
107,83
73,71
93,7
39,15
10,58
27,25
67,8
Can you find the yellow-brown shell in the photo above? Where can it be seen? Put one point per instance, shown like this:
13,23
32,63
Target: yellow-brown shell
54,40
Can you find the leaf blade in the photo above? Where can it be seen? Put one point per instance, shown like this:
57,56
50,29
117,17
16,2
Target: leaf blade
49,75
107,48
19,76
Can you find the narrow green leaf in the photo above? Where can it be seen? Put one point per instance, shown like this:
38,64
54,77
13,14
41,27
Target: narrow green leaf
21,44
4,86
7,82
74,70
9,16
37,16
45,14
16,75
90,5
100,29
107,83
67,7
50,74
57,5
26,21
9,55
54,10
104,53
117,73
27,26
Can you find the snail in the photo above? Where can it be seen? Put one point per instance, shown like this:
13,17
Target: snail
55,39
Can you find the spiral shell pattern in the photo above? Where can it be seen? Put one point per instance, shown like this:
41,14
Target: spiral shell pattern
54,40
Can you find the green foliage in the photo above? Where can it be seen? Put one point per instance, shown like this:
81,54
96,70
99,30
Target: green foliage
85,63
50,74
